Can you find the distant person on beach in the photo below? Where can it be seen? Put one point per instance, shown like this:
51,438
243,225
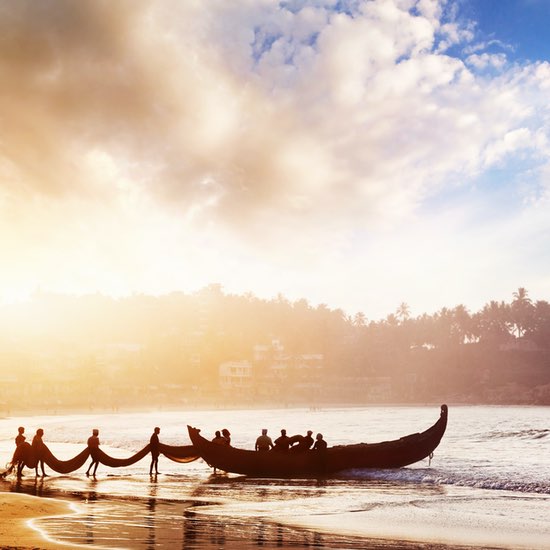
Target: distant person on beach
264,443
19,440
320,443
227,436
155,451
282,443
37,446
93,445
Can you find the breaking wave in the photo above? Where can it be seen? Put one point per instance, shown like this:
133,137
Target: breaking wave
518,434
438,477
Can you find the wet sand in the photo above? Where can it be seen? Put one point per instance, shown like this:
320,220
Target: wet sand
461,524
464,522
485,489
18,512
17,531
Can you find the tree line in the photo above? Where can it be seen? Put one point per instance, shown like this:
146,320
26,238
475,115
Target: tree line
183,338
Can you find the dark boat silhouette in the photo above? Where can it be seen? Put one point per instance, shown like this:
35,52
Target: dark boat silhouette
388,454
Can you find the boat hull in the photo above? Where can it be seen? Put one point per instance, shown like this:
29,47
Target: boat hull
388,454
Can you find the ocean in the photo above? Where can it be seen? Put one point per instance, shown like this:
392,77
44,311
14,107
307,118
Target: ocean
487,485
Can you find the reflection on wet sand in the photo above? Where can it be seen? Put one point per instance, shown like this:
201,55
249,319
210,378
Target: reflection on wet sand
89,518
150,516
259,489
148,521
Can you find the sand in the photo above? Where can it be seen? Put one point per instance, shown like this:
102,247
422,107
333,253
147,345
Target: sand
456,524
459,523
17,512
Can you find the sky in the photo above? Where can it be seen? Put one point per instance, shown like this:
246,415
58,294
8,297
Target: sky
358,154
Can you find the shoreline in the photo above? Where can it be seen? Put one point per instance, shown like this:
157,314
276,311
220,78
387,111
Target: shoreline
426,529
406,527
19,511
485,489
216,406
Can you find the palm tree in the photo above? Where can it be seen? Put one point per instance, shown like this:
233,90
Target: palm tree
462,325
493,322
541,333
520,296
403,312
443,320
359,320
391,320
522,313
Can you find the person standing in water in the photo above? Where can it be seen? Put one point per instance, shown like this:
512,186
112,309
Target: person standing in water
19,440
155,451
93,445
20,437
320,449
37,446
218,440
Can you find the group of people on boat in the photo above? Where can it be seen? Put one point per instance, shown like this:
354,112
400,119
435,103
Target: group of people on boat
295,443
282,443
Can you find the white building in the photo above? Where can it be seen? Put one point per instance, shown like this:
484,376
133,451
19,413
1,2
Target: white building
235,375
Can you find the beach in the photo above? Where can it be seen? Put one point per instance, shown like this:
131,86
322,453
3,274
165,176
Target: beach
486,486
25,526
18,513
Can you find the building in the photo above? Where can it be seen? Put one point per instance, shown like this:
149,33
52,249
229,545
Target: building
235,376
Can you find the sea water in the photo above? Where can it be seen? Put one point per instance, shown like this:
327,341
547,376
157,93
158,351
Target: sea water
487,485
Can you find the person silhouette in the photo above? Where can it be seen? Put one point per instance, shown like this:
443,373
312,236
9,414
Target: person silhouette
264,443
320,450
307,442
19,440
303,443
155,451
282,443
320,443
93,445
20,437
37,446
219,439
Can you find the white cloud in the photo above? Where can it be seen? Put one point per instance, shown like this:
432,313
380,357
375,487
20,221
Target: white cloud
273,133
475,47
512,142
485,60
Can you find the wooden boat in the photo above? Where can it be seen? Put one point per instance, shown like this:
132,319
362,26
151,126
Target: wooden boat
388,454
